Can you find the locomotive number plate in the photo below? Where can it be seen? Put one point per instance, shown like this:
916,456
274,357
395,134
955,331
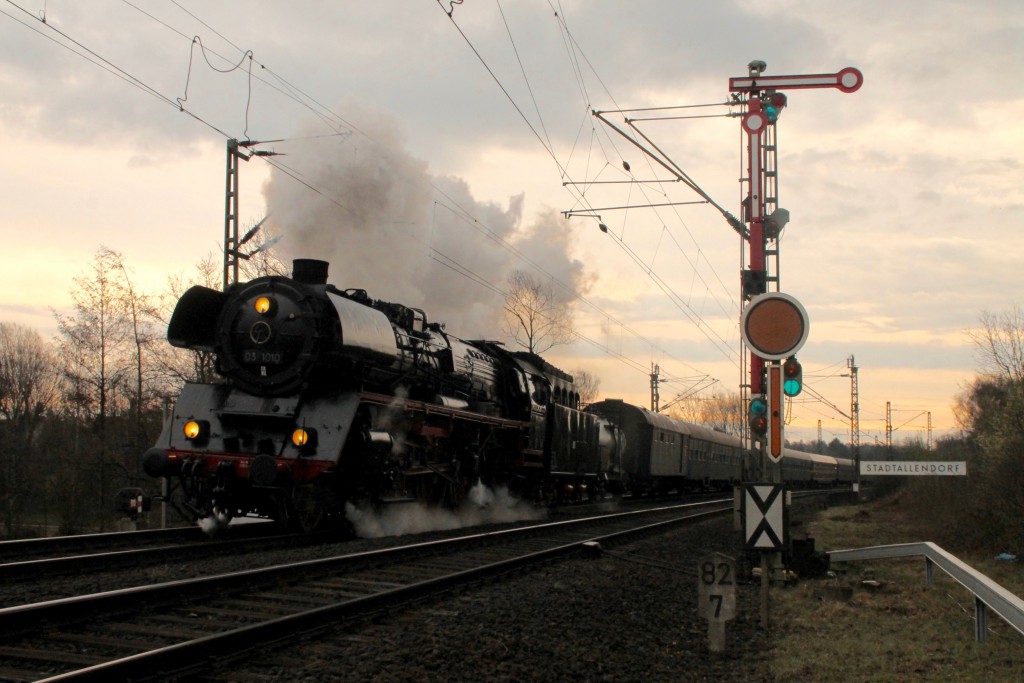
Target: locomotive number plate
262,357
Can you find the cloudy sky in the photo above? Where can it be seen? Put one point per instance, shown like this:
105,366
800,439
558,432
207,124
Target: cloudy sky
429,155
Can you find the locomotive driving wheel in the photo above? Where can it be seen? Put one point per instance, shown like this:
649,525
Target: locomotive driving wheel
307,512
315,507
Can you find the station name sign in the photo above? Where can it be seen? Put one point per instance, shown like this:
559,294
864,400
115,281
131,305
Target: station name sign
913,468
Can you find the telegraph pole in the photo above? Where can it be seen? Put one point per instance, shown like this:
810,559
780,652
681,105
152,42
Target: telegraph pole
232,242
854,417
888,429
655,394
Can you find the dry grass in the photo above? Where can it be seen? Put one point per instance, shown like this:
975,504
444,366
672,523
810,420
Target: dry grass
903,631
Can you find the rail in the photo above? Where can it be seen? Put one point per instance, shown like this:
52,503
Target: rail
987,593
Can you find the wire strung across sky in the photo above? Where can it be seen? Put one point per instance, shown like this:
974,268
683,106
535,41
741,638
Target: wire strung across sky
340,126
576,52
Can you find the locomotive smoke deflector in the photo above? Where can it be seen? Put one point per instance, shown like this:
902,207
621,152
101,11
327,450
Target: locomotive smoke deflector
194,321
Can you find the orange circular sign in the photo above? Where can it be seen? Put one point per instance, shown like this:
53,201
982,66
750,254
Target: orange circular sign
774,325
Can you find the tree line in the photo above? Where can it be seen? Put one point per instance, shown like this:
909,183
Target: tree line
77,411
985,509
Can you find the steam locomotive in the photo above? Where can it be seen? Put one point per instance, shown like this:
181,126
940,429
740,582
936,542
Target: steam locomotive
330,397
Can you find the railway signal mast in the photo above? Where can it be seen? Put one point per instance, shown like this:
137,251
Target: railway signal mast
774,325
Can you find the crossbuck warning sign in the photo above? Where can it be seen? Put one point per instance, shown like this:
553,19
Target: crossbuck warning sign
764,517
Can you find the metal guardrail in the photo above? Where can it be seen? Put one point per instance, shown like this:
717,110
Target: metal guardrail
987,593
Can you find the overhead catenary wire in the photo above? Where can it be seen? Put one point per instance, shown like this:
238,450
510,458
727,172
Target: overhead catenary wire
589,210
286,89
576,53
95,58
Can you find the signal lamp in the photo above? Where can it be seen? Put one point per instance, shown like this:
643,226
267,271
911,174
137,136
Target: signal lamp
758,415
753,282
196,430
773,105
304,438
792,377
775,222
264,305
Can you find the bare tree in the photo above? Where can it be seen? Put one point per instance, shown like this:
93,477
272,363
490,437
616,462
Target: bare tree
94,338
534,317
174,365
587,385
140,312
101,344
990,505
28,382
1000,343
28,390
719,411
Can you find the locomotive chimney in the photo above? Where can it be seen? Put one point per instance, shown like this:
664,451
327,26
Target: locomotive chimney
310,271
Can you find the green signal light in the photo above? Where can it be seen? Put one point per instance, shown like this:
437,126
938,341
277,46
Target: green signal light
793,377
772,105
758,407
757,413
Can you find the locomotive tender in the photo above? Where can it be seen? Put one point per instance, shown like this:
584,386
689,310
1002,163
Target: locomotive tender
330,397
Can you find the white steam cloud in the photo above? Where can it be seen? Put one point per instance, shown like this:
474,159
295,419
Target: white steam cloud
388,225
483,505
215,524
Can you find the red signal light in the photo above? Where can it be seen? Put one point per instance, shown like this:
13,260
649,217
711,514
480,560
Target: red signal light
758,416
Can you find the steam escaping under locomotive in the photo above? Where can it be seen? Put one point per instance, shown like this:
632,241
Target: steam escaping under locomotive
330,397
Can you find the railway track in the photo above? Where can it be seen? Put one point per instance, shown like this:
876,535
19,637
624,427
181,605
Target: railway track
17,550
40,558
176,628
48,557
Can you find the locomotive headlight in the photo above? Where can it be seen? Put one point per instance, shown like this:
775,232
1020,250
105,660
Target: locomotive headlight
264,305
196,430
304,438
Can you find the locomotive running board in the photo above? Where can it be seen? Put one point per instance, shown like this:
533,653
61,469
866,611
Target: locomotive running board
437,409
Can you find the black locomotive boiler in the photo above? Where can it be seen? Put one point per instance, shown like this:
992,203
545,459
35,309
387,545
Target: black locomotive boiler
330,397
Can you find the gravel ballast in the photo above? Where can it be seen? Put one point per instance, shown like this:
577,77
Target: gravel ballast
629,614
